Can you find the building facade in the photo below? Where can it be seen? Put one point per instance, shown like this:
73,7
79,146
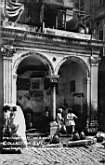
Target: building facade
1,78
96,12
45,65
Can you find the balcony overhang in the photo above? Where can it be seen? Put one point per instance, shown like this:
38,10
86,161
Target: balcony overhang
23,38
62,33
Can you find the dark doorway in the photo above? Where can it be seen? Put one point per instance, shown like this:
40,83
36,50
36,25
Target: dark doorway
33,93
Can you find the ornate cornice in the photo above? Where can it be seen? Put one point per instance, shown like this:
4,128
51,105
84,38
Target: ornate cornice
30,39
7,51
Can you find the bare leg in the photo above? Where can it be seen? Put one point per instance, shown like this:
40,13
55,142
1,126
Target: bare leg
73,128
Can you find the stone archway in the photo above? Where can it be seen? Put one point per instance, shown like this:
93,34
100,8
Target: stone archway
73,88
17,59
30,88
79,60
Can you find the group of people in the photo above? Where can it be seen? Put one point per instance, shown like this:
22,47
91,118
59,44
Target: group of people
66,120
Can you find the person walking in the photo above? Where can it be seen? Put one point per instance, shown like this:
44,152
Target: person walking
70,121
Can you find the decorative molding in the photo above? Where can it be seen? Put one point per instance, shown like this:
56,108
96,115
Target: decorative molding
7,51
21,35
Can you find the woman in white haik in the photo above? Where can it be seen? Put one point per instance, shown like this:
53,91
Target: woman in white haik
16,122
70,121
19,120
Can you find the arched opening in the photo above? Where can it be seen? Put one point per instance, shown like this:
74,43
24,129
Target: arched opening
72,90
33,93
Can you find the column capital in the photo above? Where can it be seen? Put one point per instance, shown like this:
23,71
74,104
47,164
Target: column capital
54,79
88,79
94,61
15,76
7,51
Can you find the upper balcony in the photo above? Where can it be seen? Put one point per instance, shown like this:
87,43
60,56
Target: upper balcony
40,14
43,20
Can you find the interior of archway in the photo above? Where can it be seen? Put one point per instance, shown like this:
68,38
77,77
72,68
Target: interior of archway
33,93
72,90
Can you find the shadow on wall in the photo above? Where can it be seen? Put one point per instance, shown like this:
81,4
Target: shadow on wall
82,116
88,124
92,124
101,116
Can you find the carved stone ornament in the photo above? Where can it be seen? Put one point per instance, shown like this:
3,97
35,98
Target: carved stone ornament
54,79
94,60
7,51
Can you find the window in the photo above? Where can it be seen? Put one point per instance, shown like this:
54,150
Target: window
23,83
54,17
35,84
50,17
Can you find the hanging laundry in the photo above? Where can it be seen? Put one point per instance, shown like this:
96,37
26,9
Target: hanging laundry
13,10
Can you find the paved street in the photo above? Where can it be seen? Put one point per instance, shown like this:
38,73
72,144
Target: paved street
92,155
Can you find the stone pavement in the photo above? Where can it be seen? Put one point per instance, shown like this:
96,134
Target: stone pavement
91,155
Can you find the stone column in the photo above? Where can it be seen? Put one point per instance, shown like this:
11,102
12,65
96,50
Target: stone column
53,124
94,86
54,102
7,53
7,67
14,90
88,94
88,102
93,95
